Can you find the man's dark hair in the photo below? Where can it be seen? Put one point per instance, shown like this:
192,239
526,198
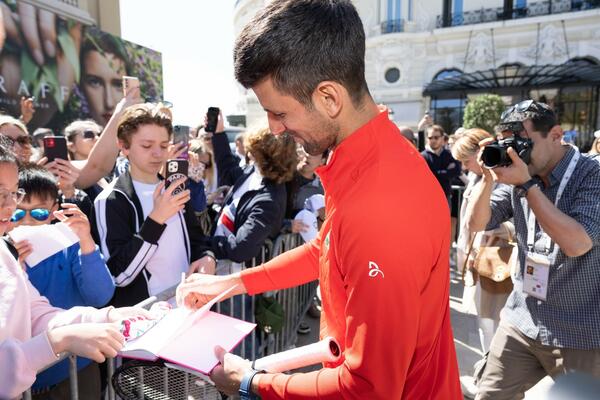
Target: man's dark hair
543,120
300,43
541,116
37,181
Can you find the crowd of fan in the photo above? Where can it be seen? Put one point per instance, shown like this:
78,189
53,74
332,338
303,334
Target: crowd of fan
137,237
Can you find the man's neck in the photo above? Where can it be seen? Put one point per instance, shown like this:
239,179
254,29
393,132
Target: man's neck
354,118
557,157
438,151
141,176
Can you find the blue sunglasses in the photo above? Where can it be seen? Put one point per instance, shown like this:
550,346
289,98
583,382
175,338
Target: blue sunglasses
39,214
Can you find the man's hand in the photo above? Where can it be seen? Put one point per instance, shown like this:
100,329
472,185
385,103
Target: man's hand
75,219
228,375
132,97
94,341
27,109
299,226
166,204
425,122
24,248
199,289
119,314
487,174
204,265
66,174
515,174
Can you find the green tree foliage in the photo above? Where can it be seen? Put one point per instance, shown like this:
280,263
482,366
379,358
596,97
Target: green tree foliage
484,112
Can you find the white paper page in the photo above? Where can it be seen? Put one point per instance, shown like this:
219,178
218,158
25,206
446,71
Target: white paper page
46,240
311,221
153,340
201,312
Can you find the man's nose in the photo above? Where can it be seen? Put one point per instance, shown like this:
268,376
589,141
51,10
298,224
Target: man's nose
276,127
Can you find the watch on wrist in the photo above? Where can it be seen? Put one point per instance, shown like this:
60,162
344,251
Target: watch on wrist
521,190
246,385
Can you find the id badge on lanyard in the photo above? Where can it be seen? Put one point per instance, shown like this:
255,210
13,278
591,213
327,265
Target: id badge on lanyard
537,266
535,278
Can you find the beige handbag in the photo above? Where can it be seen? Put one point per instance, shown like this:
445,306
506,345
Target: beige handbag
492,262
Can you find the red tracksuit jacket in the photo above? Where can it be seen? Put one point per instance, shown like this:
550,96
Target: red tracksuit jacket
382,261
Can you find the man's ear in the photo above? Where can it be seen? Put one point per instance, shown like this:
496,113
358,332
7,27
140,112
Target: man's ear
123,147
329,97
556,133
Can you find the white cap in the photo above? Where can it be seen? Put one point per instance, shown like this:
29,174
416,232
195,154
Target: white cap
597,134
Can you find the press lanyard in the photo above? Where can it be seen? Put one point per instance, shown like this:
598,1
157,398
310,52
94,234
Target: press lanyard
531,218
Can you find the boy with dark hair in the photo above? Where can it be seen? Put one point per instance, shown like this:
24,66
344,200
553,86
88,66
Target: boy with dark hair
148,235
76,276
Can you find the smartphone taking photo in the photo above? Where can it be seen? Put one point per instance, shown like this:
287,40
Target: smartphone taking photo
212,118
181,134
130,82
55,147
176,169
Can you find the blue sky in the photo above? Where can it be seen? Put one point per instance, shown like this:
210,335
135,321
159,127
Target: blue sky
195,38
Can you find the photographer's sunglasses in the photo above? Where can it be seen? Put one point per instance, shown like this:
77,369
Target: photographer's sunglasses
39,214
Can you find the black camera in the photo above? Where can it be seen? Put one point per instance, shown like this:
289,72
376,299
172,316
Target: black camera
495,155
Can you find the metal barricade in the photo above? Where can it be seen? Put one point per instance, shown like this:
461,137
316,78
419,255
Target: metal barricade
295,302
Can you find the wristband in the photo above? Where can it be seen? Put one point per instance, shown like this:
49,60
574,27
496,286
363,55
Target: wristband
246,385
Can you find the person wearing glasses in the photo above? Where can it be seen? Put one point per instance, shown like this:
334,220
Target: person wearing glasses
33,332
81,136
444,167
77,276
550,324
16,131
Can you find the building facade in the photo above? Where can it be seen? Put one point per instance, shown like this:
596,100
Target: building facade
437,54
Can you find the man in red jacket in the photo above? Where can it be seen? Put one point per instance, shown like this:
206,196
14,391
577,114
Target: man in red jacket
381,256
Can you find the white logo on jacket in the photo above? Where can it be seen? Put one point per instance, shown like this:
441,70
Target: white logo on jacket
374,270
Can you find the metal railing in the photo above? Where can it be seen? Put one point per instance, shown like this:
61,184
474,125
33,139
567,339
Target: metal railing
295,302
533,9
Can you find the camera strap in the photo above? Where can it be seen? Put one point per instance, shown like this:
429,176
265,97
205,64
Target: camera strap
547,241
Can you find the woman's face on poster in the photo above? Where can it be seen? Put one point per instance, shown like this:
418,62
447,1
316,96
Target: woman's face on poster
101,83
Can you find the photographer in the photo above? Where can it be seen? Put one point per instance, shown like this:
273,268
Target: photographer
551,321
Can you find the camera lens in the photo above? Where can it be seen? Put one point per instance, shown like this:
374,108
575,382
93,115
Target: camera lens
492,155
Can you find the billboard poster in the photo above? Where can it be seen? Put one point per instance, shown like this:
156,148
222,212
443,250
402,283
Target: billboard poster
73,71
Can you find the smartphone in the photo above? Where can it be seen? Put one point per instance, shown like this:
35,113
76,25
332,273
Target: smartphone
55,147
130,82
176,169
212,117
181,134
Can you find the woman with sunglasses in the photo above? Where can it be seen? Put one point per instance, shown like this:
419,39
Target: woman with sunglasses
81,136
16,131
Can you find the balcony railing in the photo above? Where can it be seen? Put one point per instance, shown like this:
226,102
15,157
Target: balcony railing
531,10
392,26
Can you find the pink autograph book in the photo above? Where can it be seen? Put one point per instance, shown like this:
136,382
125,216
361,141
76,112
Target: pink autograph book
188,338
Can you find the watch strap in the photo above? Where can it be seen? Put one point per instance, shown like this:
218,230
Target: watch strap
246,385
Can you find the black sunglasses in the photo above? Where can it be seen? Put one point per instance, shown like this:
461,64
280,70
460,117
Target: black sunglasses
21,140
89,134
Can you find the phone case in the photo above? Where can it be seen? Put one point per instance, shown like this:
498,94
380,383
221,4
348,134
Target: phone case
55,147
212,117
176,169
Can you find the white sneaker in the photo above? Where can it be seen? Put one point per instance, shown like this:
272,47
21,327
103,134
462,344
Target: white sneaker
467,384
